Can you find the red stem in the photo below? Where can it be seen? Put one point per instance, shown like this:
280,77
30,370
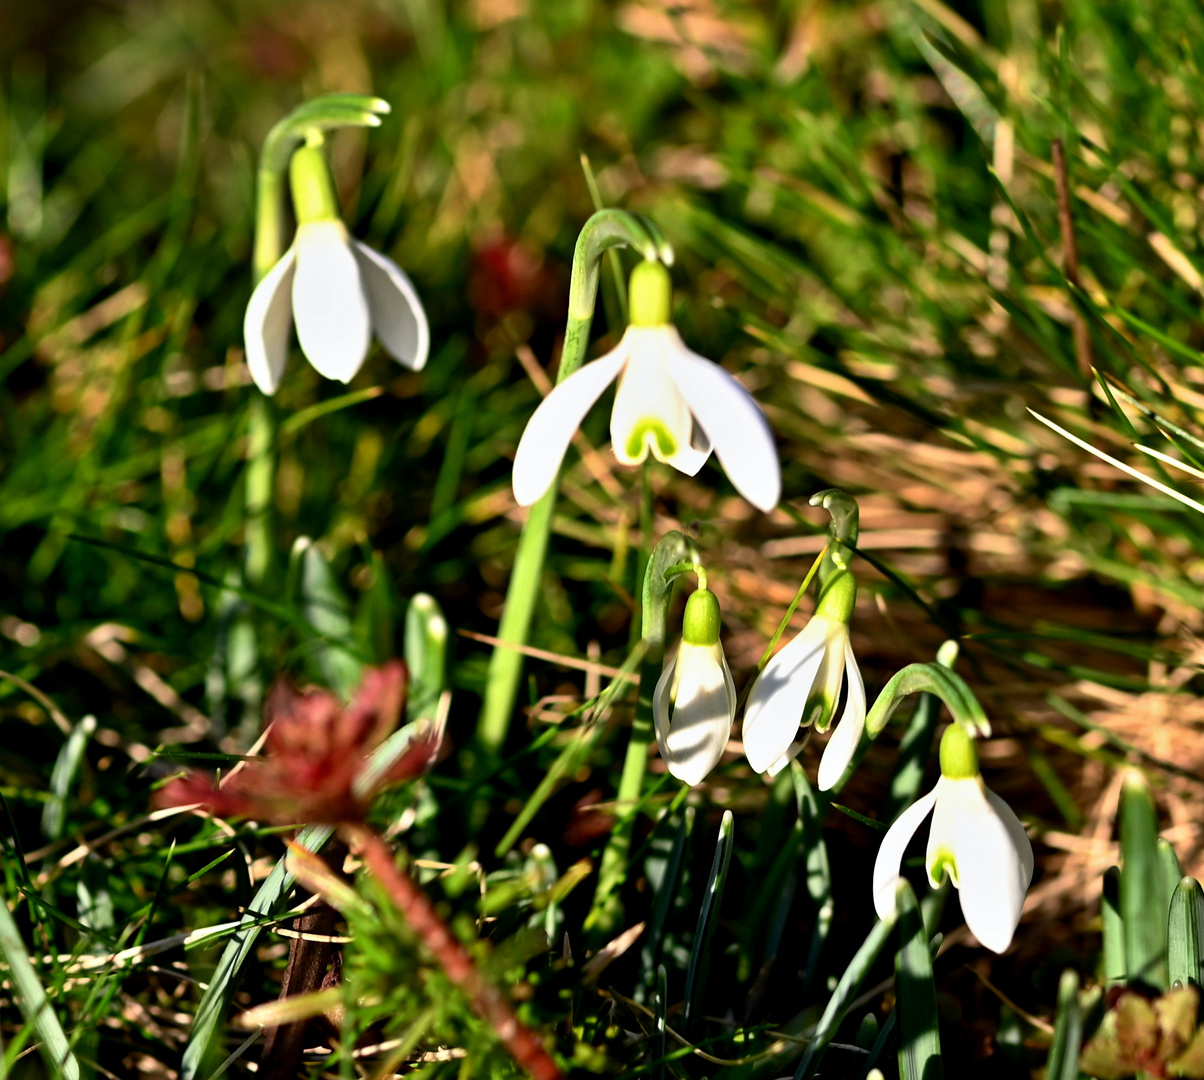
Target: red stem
418,911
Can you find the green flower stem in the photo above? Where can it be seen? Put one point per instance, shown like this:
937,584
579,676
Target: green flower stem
261,463
321,114
605,230
674,555
842,531
798,597
304,123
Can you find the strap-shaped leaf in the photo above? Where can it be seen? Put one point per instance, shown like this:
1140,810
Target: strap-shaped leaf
1143,903
1113,928
846,990
919,1038
934,679
708,919
1063,1061
1184,926
31,998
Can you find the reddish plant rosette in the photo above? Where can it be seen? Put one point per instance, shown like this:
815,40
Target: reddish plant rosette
316,758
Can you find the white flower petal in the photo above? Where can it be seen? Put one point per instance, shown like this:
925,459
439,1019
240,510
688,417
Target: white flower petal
993,867
266,325
733,422
660,708
550,429
648,404
693,731
397,315
941,854
329,307
1018,834
890,855
843,743
786,758
775,703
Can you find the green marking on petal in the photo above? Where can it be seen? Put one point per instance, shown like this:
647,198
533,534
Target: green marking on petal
652,433
941,863
819,711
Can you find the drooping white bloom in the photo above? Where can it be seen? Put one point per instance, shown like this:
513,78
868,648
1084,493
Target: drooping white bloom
975,838
800,687
669,401
694,702
335,290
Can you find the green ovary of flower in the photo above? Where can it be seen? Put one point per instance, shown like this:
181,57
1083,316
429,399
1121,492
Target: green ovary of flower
652,433
959,758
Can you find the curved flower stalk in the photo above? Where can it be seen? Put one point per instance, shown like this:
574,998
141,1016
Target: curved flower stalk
670,402
975,839
694,702
335,290
801,684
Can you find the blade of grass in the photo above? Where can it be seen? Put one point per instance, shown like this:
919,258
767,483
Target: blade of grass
32,1000
708,920
919,1037
1063,1060
842,997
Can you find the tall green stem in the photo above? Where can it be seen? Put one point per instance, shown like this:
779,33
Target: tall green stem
605,230
673,556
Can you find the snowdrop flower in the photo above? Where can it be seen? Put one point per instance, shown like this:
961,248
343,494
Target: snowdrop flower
695,699
801,685
975,839
336,290
669,401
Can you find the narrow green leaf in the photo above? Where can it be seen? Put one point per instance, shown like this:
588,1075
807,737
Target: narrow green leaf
32,1000
1172,872
1184,927
572,756
1063,1060
818,872
62,778
205,1039
376,620
881,1046
846,990
1142,901
919,1038
661,1009
708,920
325,606
426,656
666,893
1113,928
867,1031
